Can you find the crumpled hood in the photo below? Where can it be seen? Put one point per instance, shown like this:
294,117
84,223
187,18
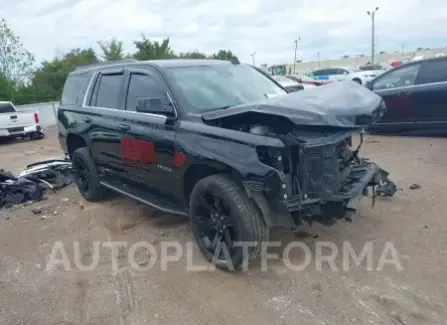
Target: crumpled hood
343,104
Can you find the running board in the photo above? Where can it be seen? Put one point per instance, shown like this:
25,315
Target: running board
144,197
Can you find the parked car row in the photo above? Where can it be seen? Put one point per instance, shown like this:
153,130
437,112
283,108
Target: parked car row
346,73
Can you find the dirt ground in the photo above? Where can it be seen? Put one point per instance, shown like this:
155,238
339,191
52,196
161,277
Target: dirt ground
414,221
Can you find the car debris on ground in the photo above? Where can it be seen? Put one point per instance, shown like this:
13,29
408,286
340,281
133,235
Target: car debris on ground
31,184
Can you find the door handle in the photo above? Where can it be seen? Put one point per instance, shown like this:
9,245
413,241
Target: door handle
87,119
124,127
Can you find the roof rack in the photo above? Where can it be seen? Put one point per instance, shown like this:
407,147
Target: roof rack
107,63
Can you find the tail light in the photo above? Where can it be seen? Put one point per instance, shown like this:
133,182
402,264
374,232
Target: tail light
36,117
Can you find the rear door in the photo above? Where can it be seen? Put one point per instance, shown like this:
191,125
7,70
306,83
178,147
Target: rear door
100,119
431,99
397,88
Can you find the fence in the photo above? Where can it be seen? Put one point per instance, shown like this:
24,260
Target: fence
47,112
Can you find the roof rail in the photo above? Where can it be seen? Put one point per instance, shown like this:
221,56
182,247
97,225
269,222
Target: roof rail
107,63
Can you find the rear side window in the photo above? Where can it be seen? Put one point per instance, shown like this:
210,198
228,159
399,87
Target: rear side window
432,71
319,72
74,89
140,86
107,92
6,108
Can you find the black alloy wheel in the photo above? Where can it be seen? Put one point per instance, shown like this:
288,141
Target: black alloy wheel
216,231
82,175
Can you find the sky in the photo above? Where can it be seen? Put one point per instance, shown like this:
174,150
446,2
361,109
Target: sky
267,28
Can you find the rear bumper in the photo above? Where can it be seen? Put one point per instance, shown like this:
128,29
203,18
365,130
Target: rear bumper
20,131
362,180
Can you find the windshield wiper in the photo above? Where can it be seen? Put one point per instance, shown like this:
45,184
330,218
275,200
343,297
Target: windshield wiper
218,108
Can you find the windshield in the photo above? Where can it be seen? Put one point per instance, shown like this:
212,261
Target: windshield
218,86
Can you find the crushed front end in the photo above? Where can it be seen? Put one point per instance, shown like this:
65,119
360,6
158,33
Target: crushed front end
322,177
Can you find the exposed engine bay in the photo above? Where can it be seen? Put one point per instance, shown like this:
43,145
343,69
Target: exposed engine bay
320,165
322,176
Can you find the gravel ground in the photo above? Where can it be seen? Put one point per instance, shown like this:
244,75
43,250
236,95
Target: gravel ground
413,221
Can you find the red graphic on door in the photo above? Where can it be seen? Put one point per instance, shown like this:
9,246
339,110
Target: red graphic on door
179,159
138,150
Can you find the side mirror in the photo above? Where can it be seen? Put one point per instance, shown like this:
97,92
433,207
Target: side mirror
154,105
368,85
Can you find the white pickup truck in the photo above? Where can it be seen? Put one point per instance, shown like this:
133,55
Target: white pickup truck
15,124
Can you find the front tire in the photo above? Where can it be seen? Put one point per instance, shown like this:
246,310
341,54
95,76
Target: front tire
223,220
86,175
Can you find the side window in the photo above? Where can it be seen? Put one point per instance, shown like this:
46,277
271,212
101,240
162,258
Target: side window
402,77
107,91
74,89
332,72
340,71
141,85
432,71
319,72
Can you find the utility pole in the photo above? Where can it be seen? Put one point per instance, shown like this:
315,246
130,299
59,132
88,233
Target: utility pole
372,14
294,60
403,49
318,56
253,57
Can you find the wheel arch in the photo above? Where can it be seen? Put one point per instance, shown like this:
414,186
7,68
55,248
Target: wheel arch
198,171
74,142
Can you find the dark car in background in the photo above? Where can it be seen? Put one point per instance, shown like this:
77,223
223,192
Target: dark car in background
416,97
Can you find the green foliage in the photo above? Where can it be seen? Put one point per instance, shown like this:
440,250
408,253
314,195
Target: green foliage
20,84
6,88
152,50
112,50
15,61
192,55
223,55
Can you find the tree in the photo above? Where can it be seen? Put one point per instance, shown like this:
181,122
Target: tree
15,61
345,56
6,88
112,50
49,79
192,55
223,55
382,52
148,50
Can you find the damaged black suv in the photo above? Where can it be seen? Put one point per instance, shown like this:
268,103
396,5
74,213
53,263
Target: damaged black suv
221,143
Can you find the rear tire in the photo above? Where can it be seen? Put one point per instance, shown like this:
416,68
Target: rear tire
243,223
36,136
86,175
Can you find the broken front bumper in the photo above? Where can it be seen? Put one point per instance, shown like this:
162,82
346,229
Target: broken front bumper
364,179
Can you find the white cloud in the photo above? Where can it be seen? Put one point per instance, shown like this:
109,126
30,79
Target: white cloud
269,28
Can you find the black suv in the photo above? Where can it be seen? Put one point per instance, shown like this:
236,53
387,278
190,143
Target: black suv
219,142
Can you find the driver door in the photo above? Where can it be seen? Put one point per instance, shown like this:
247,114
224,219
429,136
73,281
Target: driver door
147,140
398,90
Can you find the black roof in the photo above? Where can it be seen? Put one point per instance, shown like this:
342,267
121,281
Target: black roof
160,63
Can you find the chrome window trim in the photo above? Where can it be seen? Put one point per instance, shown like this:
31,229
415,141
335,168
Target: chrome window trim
90,85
